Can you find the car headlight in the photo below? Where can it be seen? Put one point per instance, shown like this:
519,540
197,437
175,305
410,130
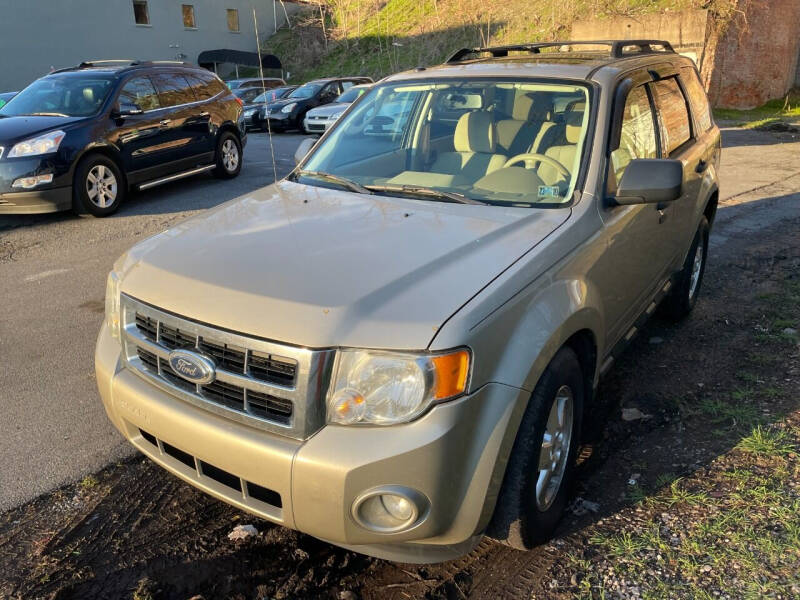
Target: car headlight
385,388
334,116
112,304
289,107
43,144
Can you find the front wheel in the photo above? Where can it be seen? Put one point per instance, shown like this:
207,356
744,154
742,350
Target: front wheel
683,296
229,156
98,187
536,484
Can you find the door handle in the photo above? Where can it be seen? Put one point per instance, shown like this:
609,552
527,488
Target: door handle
165,122
701,166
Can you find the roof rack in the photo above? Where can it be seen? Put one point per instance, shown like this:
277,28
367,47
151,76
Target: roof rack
618,48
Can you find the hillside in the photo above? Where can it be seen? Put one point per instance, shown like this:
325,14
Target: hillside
378,37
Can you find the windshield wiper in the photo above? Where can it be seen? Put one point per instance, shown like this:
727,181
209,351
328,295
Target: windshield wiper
343,181
420,190
45,114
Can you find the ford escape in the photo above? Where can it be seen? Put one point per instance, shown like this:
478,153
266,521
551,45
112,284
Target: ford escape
392,348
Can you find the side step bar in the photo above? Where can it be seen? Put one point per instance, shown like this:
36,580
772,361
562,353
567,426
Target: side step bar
189,173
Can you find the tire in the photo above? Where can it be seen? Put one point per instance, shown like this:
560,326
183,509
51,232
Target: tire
98,187
527,513
228,156
683,296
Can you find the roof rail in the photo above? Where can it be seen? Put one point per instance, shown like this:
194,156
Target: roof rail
618,48
106,62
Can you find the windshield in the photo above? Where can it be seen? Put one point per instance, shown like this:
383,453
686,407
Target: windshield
351,95
305,91
516,142
66,95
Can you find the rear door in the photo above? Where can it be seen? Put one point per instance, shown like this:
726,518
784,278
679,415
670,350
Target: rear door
186,122
707,149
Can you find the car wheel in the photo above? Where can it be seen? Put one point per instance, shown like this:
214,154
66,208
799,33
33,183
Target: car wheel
541,466
98,187
229,156
683,296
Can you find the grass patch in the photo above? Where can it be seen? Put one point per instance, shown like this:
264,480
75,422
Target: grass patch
89,482
768,442
781,110
380,38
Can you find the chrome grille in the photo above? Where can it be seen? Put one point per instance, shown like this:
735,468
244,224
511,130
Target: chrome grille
272,386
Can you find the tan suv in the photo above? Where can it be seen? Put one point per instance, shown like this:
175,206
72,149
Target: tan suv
392,348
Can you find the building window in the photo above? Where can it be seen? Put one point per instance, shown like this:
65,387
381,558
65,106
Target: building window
140,13
233,19
188,16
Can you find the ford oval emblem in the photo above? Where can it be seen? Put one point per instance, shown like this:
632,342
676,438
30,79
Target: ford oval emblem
192,366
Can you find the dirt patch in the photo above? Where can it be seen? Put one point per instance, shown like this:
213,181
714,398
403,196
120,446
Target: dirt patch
695,493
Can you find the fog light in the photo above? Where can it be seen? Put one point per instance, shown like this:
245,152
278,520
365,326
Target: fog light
390,509
397,506
27,183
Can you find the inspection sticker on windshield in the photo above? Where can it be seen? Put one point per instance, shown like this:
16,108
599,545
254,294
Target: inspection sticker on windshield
549,191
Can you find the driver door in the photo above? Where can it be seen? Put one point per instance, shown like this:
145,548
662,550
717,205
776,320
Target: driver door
139,136
638,245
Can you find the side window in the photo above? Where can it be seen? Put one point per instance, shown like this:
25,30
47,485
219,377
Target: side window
673,116
173,89
139,91
697,98
215,86
331,90
346,85
638,134
202,89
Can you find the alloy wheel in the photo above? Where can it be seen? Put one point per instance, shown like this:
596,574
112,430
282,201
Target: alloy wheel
697,267
101,186
554,452
230,155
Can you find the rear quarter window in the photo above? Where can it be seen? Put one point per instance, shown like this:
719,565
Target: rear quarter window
673,115
697,98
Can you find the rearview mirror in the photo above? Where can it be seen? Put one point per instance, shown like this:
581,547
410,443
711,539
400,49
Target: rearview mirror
126,109
650,181
303,149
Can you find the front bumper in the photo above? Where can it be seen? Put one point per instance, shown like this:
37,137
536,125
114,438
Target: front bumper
450,456
320,125
52,197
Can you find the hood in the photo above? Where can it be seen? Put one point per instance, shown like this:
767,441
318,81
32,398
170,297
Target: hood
20,128
328,109
319,267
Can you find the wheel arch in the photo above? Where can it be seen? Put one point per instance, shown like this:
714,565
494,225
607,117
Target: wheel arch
710,208
106,150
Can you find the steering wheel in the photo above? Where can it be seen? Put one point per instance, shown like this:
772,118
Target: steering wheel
531,157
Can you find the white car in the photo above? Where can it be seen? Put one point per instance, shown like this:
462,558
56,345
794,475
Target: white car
317,120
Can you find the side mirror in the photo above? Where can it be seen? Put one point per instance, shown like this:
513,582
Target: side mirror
126,109
303,149
650,181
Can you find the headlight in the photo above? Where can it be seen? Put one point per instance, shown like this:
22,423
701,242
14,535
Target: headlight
289,107
112,303
43,144
385,388
334,116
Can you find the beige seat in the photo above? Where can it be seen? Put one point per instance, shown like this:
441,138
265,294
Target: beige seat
530,121
564,152
475,142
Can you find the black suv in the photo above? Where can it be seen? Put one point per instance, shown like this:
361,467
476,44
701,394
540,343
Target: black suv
81,137
288,112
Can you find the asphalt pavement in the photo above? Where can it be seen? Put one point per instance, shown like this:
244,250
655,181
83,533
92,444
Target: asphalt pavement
53,429
53,268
